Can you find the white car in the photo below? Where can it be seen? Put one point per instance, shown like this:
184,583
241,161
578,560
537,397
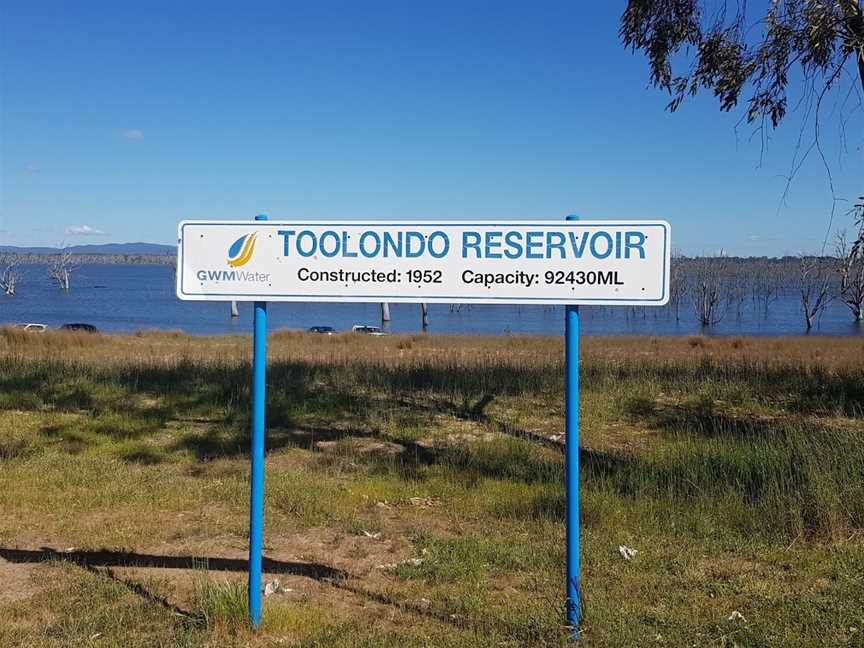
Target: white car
32,327
367,330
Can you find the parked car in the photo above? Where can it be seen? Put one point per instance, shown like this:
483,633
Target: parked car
323,330
367,330
32,327
78,326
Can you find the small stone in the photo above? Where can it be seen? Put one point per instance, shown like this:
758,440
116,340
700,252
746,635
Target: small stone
275,587
411,562
627,553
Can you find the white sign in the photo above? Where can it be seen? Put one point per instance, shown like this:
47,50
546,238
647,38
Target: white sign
528,262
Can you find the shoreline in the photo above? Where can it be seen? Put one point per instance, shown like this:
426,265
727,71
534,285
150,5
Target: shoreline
167,332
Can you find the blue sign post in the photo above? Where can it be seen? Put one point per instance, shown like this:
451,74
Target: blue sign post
256,497
571,444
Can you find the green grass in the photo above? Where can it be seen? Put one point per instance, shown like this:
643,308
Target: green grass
737,472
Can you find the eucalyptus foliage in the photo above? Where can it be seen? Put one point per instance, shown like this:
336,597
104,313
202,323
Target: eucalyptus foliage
729,56
810,46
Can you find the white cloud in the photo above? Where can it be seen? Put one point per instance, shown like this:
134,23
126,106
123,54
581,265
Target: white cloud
83,230
133,134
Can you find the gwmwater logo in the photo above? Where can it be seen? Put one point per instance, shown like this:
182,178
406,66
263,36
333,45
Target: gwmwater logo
240,252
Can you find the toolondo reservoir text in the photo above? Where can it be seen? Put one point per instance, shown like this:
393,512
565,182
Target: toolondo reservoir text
489,244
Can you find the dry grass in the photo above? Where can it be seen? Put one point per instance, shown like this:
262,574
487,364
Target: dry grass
447,350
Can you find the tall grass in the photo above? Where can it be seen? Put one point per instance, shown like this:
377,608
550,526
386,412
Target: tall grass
755,441
222,606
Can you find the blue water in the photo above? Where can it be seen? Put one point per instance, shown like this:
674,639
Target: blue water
126,298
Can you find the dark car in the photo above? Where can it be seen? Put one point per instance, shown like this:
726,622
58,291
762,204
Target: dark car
78,326
324,330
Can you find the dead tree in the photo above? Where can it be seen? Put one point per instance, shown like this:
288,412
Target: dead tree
737,280
706,289
850,267
766,283
857,212
10,273
814,284
60,268
678,285
385,316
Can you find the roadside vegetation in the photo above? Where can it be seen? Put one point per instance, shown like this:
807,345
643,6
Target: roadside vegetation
415,491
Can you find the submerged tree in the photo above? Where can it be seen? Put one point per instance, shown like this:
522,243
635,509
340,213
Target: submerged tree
767,283
679,285
737,287
850,267
706,289
10,273
60,268
814,284
857,213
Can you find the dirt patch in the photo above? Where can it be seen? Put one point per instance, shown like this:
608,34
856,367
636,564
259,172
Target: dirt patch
362,446
18,581
467,438
304,563
619,437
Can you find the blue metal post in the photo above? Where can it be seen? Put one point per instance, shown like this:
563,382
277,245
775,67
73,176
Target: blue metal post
256,498
571,407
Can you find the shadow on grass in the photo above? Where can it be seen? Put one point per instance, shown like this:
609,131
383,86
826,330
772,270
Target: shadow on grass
188,386
103,558
331,385
100,564
219,392
714,454
704,418
222,441
139,590
801,389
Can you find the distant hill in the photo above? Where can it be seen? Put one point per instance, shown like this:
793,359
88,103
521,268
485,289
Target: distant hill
149,249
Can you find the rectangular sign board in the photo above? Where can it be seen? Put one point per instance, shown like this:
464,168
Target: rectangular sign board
481,262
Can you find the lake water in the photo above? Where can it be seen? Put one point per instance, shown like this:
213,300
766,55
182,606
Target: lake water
126,298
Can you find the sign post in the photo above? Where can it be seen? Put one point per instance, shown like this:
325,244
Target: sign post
571,460
568,262
256,493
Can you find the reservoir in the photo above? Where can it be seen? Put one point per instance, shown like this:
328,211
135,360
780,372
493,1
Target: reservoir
126,298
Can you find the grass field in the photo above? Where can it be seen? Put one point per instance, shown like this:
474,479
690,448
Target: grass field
415,491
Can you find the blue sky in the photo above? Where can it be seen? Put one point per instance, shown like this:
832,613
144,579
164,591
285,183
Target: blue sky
119,121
